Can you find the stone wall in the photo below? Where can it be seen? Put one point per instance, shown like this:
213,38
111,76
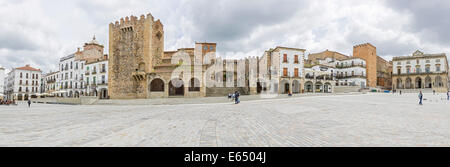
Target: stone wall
368,52
135,46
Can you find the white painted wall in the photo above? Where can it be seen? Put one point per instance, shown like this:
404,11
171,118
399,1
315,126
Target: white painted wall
291,65
422,62
2,81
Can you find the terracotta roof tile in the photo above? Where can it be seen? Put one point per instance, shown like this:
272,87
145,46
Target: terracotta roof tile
28,68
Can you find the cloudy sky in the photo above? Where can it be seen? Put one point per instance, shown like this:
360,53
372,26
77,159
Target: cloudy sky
39,32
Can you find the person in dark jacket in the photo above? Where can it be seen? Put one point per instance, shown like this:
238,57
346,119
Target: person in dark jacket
236,97
420,97
29,103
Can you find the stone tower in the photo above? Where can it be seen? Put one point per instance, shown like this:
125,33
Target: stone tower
368,52
136,45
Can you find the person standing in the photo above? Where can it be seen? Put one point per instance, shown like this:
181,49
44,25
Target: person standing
400,92
29,103
420,97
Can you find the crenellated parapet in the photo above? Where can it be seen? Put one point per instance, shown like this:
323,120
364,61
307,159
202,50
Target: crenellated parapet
129,21
364,45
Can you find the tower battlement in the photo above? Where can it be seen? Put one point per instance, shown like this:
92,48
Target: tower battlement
363,45
132,20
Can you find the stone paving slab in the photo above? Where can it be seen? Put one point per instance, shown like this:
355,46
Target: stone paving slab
336,120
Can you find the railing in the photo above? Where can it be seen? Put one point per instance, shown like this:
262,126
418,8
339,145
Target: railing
351,65
87,73
350,76
425,72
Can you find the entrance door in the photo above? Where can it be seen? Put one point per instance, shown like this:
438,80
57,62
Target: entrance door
286,88
176,87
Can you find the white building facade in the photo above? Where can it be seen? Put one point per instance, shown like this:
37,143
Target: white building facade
350,72
285,65
2,83
23,83
84,73
421,72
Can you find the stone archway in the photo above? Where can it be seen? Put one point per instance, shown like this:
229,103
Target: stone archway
194,85
284,86
176,87
77,94
296,86
399,83
309,86
408,83
438,81
418,83
157,85
319,87
428,83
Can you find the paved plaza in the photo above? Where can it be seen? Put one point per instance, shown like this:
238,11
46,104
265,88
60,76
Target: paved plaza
336,120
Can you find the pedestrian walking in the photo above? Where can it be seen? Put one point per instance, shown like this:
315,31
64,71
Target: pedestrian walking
29,103
236,97
420,97
400,92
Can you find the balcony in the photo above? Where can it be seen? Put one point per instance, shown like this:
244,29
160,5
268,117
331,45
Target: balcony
350,66
103,71
350,76
94,72
87,73
420,73
139,75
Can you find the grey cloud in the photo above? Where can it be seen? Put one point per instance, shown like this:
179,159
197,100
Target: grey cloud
15,40
231,20
430,18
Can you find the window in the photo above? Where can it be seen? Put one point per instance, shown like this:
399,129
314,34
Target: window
399,70
427,69
20,75
296,59
205,48
93,81
103,79
26,82
211,48
20,82
285,58
26,76
408,70
296,72
438,60
438,68
285,72
20,89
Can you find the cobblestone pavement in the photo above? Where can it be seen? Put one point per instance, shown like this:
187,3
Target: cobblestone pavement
338,120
